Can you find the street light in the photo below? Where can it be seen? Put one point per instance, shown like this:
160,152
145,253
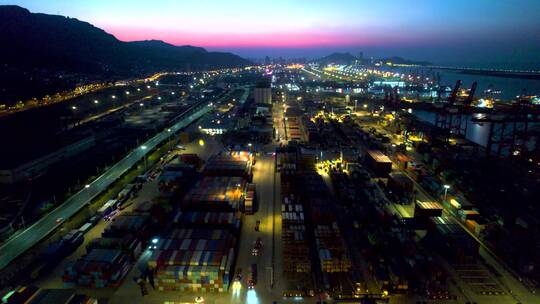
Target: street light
144,148
96,101
446,187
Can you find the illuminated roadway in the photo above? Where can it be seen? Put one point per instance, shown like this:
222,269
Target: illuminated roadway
30,236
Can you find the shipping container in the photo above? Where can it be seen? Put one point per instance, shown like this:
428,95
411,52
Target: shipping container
379,163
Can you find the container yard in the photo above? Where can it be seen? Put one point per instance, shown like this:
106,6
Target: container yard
332,254
297,253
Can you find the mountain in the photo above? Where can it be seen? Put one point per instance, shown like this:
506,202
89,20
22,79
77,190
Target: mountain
39,46
338,58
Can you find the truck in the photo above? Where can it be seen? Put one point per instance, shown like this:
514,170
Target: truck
126,193
257,247
107,208
252,277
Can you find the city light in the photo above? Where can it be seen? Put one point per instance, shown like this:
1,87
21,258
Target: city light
237,287
251,297
96,101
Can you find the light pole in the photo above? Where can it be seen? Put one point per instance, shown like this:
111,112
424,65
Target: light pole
171,140
144,148
446,187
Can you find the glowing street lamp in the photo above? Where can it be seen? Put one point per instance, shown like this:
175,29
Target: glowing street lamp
145,165
446,187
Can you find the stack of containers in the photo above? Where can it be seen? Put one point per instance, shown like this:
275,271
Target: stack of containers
211,219
129,245
215,193
229,164
332,253
291,213
295,248
128,223
98,269
194,260
452,240
109,257
331,248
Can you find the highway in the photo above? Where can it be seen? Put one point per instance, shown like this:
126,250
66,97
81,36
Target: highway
30,236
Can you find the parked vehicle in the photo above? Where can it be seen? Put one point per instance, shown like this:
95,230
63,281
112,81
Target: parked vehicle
257,247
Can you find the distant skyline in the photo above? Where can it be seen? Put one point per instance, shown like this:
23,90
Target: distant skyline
496,33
